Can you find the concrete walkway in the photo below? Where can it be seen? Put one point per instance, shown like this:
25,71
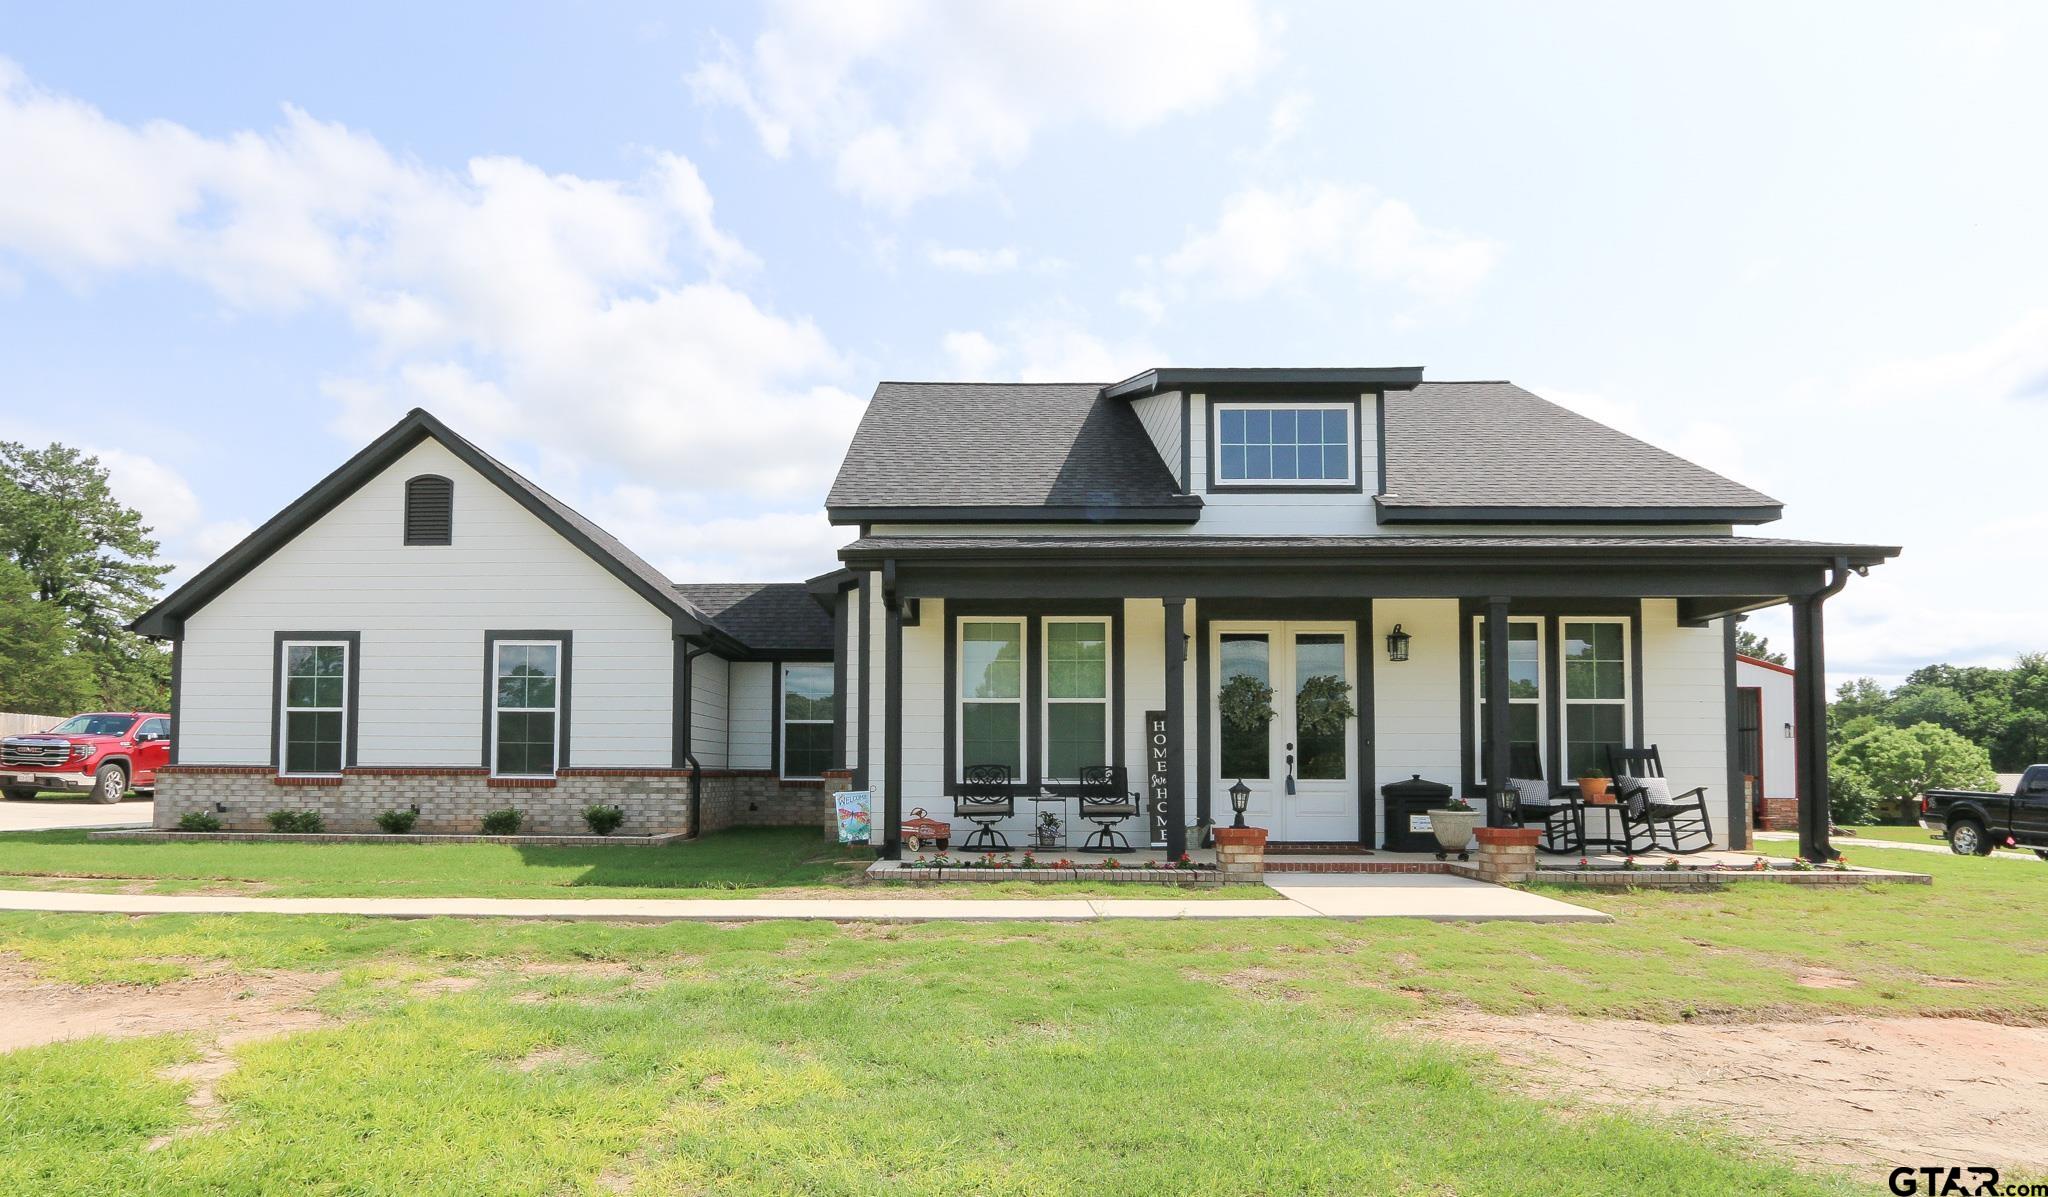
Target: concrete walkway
1443,899
1933,845
52,814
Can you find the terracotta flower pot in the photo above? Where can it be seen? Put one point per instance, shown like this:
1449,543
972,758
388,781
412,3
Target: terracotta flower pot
1597,790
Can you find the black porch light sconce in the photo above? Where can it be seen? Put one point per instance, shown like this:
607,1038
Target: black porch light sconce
908,609
1240,798
1397,644
220,808
1788,731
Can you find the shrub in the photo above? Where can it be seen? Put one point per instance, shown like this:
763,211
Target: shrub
297,822
603,819
1893,765
198,820
398,822
504,822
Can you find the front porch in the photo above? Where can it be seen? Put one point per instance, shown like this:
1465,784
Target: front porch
1713,867
1026,665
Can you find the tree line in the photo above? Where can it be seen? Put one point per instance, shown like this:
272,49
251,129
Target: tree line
1944,727
76,567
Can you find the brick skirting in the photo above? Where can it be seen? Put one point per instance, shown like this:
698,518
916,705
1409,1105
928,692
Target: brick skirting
1780,814
454,800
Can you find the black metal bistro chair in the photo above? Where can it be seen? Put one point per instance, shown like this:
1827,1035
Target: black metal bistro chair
984,798
1556,811
1103,801
1647,804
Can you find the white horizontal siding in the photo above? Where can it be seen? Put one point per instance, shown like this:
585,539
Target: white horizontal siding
1160,416
709,687
748,710
421,612
1417,727
1778,780
1685,705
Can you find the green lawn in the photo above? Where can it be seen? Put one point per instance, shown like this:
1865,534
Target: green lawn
1261,1057
745,863
1896,834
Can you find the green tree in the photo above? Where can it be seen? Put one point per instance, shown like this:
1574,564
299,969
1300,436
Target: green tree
1749,644
89,556
1856,704
39,672
1896,764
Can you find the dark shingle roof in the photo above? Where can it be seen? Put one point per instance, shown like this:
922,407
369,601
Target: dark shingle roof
1054,450
768,616
1482,450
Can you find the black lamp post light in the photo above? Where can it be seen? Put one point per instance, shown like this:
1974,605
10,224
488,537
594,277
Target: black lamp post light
1240,797
1397,644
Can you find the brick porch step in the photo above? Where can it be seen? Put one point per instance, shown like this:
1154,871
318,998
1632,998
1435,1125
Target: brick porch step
1316,848
1357,865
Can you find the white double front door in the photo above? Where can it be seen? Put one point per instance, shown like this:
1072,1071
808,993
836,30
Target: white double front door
1302,770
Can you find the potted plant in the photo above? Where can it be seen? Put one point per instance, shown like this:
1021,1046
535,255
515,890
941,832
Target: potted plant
1048,829
1453,825
1593,786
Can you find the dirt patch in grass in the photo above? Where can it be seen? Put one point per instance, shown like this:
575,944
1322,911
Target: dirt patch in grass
552,1057
233,1007
1865,1093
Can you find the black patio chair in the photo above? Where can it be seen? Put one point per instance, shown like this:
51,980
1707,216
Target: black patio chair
1103,801
1644,810
984,798
1555,810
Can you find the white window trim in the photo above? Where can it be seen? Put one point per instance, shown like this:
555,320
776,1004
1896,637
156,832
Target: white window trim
782,703
1351,410
1540,702
498,648
1108,690
284,707
960,699
1628,680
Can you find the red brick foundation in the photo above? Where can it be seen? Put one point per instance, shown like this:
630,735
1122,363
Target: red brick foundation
1241,853
1507,855
1780,814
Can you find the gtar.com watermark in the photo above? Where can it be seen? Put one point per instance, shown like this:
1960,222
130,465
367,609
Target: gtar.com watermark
1943,1181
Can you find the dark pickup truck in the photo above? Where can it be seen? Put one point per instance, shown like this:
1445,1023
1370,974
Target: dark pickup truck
1976,822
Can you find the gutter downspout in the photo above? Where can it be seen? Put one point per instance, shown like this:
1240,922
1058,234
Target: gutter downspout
1811,710
689,698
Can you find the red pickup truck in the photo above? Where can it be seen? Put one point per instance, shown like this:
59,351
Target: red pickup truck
104,754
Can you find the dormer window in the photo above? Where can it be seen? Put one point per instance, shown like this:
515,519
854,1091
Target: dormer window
1309,445
429,510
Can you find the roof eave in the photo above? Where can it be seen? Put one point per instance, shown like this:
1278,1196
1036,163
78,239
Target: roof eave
161,620
1152,382
1420,513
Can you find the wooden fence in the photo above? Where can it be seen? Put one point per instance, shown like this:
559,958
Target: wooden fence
12,724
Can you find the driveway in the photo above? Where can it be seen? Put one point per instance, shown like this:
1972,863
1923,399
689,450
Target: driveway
51,814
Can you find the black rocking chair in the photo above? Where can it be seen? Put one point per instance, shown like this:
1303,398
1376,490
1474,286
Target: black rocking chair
1556,811
1644,812
984,798
1103,801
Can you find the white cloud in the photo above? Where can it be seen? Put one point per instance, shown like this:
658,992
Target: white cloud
519,303
973,261
1048,350
166,501
914,98
1926,452
973,355
1268,237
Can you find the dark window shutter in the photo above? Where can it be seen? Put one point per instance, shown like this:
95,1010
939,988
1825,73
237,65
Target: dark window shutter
429,510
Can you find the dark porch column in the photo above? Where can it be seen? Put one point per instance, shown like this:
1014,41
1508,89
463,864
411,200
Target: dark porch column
1810,727
1497,730
892,726
1177,728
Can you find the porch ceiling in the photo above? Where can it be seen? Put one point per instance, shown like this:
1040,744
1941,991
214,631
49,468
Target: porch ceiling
1719,573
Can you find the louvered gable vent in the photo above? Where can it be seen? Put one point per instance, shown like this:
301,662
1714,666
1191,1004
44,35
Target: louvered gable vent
429,510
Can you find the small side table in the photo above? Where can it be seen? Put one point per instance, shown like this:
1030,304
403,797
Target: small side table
1608,840
1038,813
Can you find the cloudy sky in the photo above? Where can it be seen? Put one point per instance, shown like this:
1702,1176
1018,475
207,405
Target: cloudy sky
658,255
